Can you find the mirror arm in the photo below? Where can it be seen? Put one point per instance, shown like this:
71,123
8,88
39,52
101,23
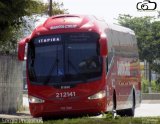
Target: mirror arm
103,45
21,49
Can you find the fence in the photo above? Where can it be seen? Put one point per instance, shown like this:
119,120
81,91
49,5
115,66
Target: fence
11,84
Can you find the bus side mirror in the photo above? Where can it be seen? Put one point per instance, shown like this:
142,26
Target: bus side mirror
21,49
103,45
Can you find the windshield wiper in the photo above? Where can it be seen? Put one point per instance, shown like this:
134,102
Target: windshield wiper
69,62
51,70
82,76
32,74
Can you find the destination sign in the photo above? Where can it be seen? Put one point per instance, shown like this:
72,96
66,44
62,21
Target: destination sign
80,37
48,39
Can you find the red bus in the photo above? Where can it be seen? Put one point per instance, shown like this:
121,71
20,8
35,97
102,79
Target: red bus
80,65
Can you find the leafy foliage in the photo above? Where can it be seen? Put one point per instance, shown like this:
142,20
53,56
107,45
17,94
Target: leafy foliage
12,13
57,8
155,86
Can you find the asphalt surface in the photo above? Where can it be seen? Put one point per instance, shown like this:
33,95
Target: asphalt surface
148,109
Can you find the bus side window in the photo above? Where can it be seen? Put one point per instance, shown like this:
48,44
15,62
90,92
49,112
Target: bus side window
107,65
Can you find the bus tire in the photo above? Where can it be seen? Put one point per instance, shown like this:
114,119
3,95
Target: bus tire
114,104
131,111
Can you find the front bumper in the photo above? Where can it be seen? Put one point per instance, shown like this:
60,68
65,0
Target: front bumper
62,108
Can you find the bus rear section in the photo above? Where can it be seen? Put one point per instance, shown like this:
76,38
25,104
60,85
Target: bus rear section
65,75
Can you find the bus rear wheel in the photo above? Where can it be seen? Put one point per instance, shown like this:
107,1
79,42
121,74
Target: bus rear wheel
131,111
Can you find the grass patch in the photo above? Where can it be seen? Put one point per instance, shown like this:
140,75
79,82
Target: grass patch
107,120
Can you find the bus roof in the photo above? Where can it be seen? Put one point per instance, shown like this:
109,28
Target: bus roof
119,28
80,20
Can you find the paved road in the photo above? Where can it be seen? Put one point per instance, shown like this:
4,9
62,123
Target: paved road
148,109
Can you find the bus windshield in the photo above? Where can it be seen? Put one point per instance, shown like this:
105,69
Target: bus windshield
64,58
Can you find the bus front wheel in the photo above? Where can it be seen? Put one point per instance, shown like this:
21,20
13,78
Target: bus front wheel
114,104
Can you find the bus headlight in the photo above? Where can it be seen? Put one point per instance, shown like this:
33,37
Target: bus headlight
98,95
33,99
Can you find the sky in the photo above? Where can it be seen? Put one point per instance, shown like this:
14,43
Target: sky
107,9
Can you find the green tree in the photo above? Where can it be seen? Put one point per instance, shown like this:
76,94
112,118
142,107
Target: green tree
156,47
148,37
12,13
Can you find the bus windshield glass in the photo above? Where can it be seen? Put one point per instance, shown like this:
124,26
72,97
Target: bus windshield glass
64,58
